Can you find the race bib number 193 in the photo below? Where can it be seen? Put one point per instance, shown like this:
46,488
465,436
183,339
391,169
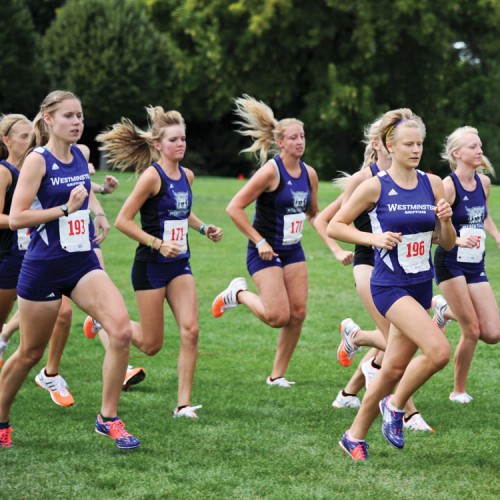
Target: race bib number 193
74,232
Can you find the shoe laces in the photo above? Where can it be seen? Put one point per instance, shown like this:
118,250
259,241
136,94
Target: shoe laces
359,452
117,429
188,411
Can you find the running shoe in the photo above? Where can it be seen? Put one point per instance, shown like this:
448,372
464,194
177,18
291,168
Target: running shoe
369,371
91,327
416,423
461,397
187,412
347,348
133,376
5,437
439,306
227,298
357,450
3,346
279,382
115,429
57,387
392,424
342,401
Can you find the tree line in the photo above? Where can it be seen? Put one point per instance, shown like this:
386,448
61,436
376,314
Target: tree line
335,64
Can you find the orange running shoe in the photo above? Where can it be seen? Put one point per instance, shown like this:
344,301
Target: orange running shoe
133,376
91,327
57,388
5,437
347,348
227,298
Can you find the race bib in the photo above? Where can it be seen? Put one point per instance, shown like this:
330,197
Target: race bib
176,230
414,251
74,232
475,254
292,228
23,238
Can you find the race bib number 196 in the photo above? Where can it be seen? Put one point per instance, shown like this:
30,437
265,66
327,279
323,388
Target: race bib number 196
413,252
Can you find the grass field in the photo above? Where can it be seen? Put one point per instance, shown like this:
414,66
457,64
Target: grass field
250,441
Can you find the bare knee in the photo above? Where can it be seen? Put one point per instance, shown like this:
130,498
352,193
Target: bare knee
298,315
65,316
152,347
32,356
120,332
189,336
278,320
440,357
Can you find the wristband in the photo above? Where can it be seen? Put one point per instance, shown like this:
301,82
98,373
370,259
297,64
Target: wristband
202,227
261,242
100,214
101,189
150,241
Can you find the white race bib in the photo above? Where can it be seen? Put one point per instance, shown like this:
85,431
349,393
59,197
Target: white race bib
413,252
472,255
23,238
74,231
176,230
292,228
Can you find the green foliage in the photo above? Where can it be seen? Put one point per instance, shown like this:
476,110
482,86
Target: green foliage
21,73
110,54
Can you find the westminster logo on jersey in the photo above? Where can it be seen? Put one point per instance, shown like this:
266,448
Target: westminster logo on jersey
475,215
181,200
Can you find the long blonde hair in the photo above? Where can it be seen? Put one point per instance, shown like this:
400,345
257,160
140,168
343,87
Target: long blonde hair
394,120
126,144
258,122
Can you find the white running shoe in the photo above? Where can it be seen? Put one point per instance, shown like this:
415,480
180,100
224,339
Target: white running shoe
439,305
417,423
227,298
3,347
57,387
347,348
342,401
369,371
279,382
187,412
461,397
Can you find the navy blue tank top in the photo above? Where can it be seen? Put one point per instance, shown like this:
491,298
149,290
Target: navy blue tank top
280,214
410,212
60,237
165,216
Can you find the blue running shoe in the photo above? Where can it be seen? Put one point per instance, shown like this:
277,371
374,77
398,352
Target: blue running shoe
355,449
115,429
392,424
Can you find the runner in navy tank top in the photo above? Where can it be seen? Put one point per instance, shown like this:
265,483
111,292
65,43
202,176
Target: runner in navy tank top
15,132
161,270
402,203
59,256
285,191
460,272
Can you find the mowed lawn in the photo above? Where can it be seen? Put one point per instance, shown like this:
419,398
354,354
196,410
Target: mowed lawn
250,441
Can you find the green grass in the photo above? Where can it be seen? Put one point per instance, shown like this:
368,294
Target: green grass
250,441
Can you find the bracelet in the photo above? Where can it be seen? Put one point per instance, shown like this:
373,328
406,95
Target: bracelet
202,227
159,248
261,242
101,189
100,214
